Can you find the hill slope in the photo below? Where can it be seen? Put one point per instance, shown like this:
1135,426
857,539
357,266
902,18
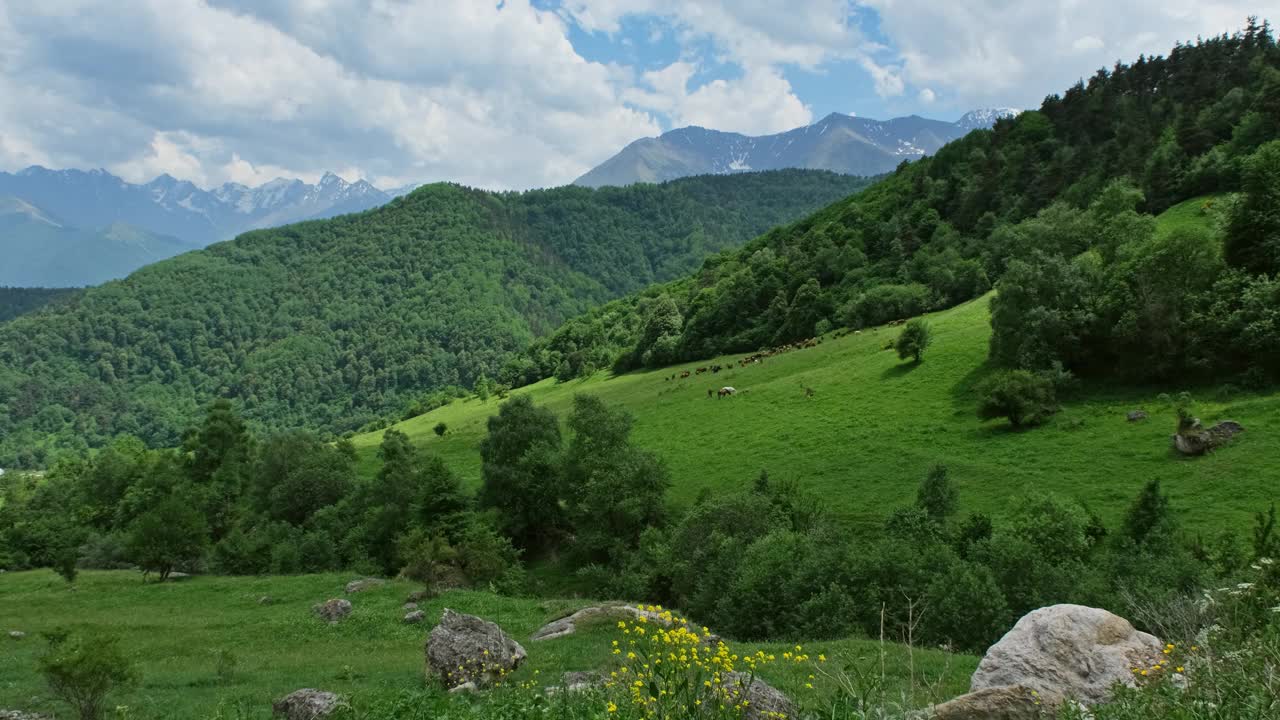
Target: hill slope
15,301
874,426
332,324
840,143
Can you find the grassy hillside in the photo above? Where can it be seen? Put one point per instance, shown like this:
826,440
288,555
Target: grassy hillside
334,324
174,632
874,425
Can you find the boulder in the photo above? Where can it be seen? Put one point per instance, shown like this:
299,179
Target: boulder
765,701
1001,703
1136,415
1195,440
414,617
17,634
332,610
306,704
409,606
609,613
1066,651
363,584
466,687
465,648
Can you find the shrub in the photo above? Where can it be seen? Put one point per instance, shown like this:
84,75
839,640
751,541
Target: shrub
64,563
913,340
1023,397
81,671
440,429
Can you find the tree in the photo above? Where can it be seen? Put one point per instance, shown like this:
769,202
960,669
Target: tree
172,534
613,490
937,496
83,670
661,336
520,473
1025,398
65,564
1252,239
218,463
440,429
912,341
965,608
1149,513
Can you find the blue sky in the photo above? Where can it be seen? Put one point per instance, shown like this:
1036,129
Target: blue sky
518,93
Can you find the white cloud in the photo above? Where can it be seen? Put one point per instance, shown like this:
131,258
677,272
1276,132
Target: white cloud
458,90
996,52
759,102
926,96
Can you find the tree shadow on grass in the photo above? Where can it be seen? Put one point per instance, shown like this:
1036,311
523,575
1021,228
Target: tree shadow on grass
898,370
964,394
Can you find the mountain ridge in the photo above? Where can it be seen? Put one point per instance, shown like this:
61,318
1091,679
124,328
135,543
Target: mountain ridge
838,142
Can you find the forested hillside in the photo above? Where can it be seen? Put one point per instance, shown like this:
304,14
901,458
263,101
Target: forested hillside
333,324
15,301
1080,175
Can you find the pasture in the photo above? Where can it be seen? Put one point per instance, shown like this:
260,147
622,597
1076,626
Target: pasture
174,632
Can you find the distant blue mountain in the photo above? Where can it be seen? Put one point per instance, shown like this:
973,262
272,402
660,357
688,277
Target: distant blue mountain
841,143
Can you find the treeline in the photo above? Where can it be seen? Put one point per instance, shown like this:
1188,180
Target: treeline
16,301
765,562
945,229
347,323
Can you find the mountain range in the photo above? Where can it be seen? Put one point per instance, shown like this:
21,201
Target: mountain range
75,227
840,143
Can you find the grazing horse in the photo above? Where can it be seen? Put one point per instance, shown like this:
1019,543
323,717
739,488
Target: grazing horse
684,374
725,392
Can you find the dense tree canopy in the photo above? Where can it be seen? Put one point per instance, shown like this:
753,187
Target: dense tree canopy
330,325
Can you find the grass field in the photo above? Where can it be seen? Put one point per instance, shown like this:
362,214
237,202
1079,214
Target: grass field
173,631
875,424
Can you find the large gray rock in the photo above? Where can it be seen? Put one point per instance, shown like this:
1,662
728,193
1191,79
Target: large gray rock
766,701
604,613
465,648
1002,703
332,610
306,704
1195,440
363,584
1071,652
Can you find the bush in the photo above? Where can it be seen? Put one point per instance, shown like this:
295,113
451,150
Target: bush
440,429
913,340
1025,398
82,671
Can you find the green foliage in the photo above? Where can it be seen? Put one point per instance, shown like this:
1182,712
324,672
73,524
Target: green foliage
1149,517
20,301
913,340
338,324
171,535
937,495
1252,240
65,564
82,670
1023,397
440,429
521,470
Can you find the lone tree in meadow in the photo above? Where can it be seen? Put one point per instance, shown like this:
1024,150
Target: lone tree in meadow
440,429
1023,397
913,341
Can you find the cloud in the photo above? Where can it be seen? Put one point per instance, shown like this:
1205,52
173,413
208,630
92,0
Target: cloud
926,96
479,93
759,102
996,52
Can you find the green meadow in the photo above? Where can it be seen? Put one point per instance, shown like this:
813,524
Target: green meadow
174,632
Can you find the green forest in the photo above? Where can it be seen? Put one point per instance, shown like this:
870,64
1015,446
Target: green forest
332,325
1054,208
20,301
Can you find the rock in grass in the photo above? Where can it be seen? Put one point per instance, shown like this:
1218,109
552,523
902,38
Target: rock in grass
1002,703
333,610
17,634
569,625
765,701
306,704
1196,440
409,606
1069,652
363,584
414,617
1136,415
265,600
19,715
467,649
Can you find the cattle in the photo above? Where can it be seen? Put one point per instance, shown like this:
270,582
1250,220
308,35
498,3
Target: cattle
684,374
725,392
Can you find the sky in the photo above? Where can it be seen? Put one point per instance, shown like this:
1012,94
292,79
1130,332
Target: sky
512,94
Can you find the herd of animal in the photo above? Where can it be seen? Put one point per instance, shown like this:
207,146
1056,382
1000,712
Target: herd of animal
754,359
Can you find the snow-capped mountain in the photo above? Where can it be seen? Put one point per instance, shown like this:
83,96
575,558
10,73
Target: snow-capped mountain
838,142
177,208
